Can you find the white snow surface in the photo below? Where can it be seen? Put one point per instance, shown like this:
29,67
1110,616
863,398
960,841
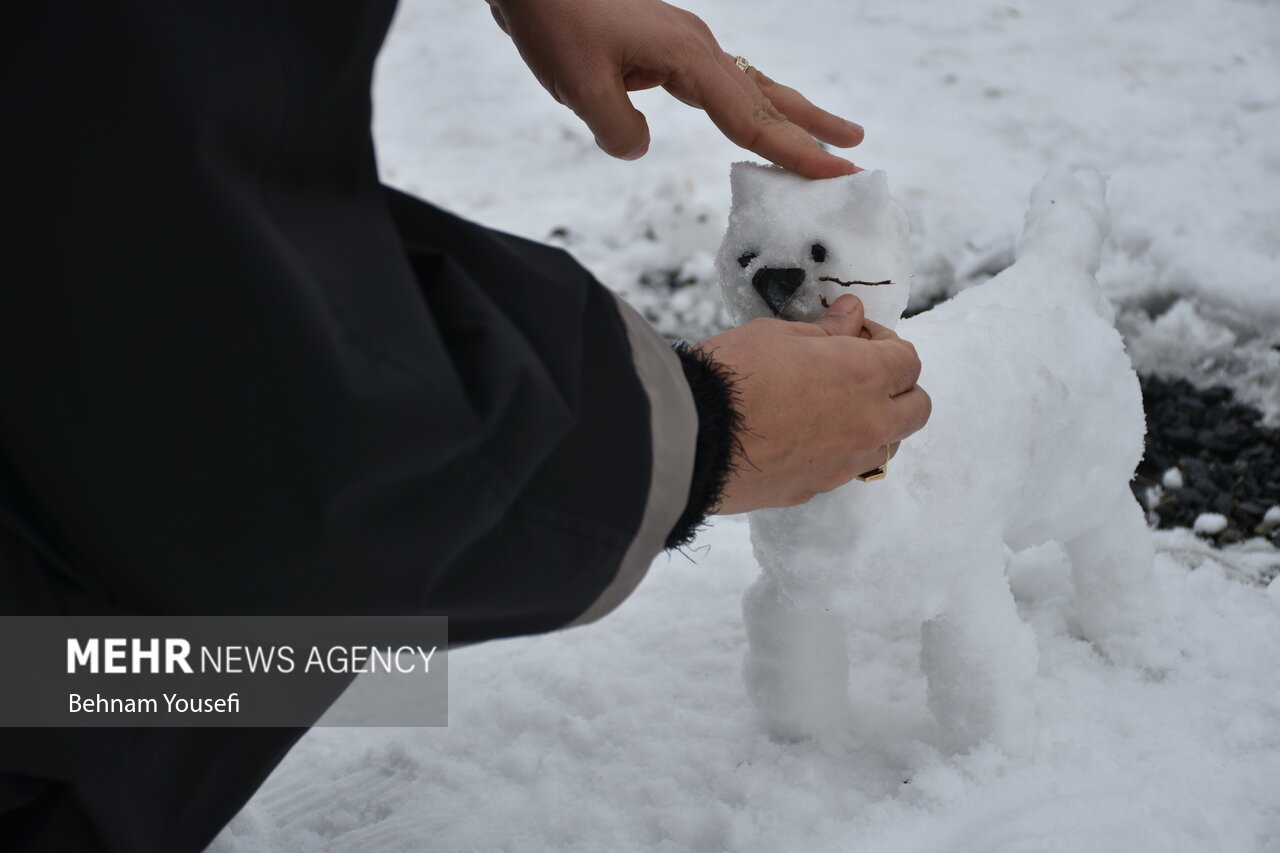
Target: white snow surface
636,733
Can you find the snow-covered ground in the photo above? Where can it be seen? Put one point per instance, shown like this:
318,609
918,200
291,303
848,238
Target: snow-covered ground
636,733
966,104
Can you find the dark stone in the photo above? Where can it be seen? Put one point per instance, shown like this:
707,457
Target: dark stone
1230,430
1154,464
1216,394
1190,496
1221,477
1250,513
1223,504
1183,437
1219,444
1194,471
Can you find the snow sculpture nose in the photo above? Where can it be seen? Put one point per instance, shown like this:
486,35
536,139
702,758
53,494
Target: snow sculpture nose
777,286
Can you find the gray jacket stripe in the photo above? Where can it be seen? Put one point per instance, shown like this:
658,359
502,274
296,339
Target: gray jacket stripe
673,421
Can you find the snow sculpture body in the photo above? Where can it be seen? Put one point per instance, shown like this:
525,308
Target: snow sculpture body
1037,427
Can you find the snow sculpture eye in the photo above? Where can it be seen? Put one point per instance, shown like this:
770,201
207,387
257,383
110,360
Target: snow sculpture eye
818,252
746,258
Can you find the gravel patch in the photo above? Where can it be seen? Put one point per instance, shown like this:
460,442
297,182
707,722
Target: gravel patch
1208,455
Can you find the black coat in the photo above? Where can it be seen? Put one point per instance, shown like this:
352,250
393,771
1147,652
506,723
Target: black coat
238,375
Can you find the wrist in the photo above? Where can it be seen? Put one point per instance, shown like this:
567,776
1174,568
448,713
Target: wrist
718,447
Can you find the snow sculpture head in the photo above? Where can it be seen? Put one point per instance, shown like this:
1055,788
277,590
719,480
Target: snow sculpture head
794,245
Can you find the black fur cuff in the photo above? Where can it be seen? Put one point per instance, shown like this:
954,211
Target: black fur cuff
718,443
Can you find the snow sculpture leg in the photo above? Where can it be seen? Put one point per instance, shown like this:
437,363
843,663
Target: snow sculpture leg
1110,575
797,665
979,658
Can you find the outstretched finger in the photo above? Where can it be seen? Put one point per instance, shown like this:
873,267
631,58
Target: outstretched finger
802,112
748,118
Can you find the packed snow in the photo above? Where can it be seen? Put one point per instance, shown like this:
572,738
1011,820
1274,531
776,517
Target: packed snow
1210,523
637,733
1037,427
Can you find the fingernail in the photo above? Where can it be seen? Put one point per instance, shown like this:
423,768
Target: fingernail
638,153
844,305
855,127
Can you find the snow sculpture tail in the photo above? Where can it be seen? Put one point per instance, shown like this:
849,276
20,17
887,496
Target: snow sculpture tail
1065,226
1068,218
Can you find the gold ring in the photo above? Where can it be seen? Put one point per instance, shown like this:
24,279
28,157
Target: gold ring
741,62
878,473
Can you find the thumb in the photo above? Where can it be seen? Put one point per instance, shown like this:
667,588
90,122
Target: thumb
620,129
843,318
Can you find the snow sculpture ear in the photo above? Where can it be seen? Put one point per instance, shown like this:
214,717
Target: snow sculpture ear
752,184
874,246
744,187
872,193
760,221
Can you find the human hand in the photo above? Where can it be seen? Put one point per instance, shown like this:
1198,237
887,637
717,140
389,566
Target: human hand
589,53
821,401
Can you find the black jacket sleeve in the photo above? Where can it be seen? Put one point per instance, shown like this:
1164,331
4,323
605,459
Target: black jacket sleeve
240,376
